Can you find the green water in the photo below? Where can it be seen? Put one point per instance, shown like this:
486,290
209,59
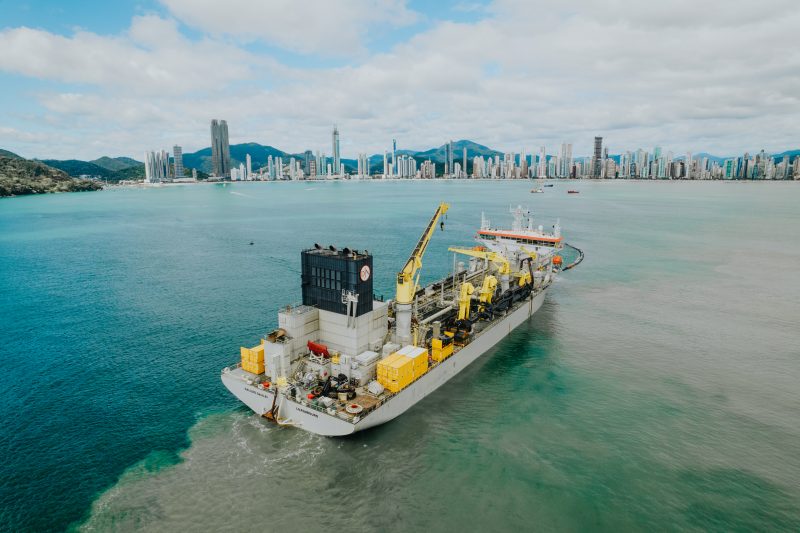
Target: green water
658,388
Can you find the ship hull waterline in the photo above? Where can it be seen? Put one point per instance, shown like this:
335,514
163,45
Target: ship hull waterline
289,412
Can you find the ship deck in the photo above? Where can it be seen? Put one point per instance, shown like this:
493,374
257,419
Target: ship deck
430,302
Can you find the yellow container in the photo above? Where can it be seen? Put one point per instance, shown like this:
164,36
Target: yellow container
420,358
441,349
253,368
395,385
398,371
384,365
391,385
440,354
254,354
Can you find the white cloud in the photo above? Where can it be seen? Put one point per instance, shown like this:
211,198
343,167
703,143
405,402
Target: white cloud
325,27
151,58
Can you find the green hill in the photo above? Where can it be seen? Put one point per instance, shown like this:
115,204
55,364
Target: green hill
77,168
128,169
116,163
201,159
20,176
6,153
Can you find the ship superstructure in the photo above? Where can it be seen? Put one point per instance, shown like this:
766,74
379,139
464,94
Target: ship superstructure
343,361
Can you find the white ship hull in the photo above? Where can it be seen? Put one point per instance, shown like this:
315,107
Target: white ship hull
291,412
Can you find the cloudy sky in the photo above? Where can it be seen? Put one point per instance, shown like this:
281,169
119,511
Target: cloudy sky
81,79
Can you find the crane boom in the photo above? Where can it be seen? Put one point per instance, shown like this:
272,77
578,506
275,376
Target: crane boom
501,262
406,280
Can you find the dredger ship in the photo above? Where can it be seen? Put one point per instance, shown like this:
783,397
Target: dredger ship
344,361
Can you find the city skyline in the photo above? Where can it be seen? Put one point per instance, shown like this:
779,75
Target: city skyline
86,80
491,164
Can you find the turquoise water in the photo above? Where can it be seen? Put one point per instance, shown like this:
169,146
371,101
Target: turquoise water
656,389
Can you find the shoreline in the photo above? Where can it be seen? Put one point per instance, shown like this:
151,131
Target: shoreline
478,180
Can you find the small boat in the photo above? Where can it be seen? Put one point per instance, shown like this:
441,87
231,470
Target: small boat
537,190
573,191
548,185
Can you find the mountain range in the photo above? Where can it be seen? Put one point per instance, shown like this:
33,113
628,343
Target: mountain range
259,154
107,168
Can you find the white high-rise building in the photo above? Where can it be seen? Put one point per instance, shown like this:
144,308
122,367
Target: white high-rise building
565,162
156,167
249,168
542,172
363,165
688,165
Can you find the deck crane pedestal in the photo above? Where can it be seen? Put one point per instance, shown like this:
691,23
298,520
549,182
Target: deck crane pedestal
408,280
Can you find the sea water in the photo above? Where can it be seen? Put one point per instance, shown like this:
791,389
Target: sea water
658,388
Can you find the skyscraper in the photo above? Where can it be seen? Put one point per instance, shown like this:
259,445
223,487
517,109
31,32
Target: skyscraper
394,156
156,167
309,156
363,165
220,149
178,154
542,172
451,157
688,170
336,154
249,168
597,167
565,162
464,169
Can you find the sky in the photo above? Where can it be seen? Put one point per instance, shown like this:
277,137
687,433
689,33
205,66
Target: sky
83,79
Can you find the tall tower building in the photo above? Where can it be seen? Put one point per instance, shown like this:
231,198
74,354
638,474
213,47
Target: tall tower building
248,168
336,155
597,166
688,165
464,157
178,155
451,156
394,155
542,172
220,149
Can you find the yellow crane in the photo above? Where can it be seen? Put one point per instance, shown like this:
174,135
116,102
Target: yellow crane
408,278
502,264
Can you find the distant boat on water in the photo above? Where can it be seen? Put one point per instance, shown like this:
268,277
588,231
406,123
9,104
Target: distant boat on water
572,191
537,190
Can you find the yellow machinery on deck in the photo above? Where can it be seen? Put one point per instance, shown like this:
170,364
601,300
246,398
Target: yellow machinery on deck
408,279
502,264
464,299
487,290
